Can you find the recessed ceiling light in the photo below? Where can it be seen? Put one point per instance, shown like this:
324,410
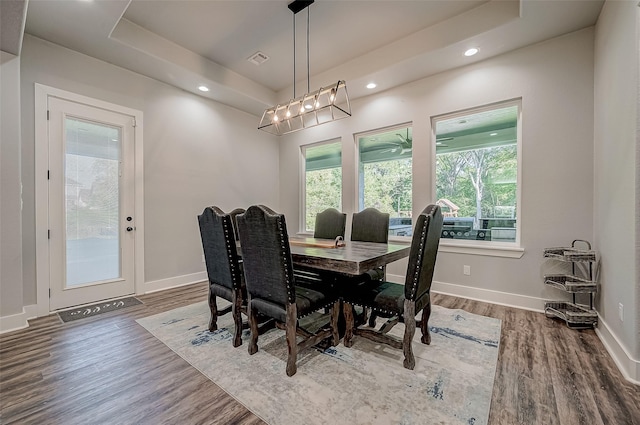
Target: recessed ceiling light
493,134
203,88
372,85
472,51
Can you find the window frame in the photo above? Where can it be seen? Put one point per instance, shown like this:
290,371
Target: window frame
487,248
356,144
302,223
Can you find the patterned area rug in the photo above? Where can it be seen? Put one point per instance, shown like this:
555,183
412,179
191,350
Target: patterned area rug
452,381
95,309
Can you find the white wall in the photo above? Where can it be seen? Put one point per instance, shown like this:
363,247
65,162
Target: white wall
615,163
10,233
555,81
196,153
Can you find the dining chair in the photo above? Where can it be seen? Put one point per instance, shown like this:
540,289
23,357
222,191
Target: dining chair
223,268
369,225
330,223
271,284
401,303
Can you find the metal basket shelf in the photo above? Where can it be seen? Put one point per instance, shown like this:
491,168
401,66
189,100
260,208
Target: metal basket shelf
571,283
574,315
570,254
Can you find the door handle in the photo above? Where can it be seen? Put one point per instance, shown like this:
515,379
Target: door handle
129,229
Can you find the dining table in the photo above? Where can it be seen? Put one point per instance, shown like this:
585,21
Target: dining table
352,258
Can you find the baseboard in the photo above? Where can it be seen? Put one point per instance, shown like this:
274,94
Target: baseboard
173,282
18,321
628,366
490,296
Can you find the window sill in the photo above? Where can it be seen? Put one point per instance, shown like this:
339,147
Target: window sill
488,249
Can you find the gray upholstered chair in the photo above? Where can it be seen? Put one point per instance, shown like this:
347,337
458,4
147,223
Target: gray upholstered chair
370,225
330,223
401,303
223,268
271,284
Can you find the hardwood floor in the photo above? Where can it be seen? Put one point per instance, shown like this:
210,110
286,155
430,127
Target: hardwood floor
109,370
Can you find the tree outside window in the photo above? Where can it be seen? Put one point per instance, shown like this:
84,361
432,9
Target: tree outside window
385,175
323,180
476,173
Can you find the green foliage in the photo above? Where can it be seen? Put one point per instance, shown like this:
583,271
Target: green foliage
324,190
493,170
387,186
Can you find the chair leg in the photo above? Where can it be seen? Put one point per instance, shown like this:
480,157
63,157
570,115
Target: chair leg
213,322
253,324
237,318
409,331
292,345
348,318
424,324
335,315
372,319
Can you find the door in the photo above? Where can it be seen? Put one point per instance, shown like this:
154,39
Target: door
91,203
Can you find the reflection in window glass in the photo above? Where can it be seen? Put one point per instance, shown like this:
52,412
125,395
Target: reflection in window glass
385,175
323,180
476,173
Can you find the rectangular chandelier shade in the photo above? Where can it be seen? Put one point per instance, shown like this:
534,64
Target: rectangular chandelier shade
320,107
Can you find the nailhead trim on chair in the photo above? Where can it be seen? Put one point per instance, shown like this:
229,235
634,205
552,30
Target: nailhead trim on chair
290,288
416,275
234,277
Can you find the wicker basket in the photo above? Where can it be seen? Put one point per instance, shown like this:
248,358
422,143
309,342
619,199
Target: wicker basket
571,283
574,315
570,254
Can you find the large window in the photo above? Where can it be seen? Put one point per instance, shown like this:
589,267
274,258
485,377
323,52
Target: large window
477,172
385,175
323,180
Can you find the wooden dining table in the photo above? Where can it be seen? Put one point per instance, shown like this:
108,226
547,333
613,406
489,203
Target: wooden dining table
354,258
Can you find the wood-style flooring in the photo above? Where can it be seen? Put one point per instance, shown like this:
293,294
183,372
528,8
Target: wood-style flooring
109,370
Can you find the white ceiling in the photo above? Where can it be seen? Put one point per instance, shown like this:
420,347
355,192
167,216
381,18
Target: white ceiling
392,42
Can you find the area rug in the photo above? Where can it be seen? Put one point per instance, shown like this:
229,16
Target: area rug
95,309
452,381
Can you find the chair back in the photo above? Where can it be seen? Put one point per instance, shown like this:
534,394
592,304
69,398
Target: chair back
234,213
266,254
219,246
422,257
370,225
330,223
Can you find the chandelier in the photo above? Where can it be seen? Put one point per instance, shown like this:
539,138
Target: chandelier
324,105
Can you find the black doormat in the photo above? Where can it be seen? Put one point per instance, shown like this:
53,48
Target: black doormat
95,309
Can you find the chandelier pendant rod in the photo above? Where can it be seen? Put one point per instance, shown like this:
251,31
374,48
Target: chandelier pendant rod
308,72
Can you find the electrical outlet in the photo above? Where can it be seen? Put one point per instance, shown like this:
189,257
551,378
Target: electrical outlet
621,312
466,270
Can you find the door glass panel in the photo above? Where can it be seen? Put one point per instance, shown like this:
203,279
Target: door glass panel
92,158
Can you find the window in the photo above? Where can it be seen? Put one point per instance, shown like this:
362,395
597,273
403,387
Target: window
477,172
385,175
323,180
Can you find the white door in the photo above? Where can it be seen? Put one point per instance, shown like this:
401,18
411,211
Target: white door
91,203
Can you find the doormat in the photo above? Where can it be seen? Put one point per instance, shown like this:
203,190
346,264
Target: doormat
95,309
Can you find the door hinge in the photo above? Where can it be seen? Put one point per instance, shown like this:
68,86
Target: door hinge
48,234
48,175
49,292
134,123
47,115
